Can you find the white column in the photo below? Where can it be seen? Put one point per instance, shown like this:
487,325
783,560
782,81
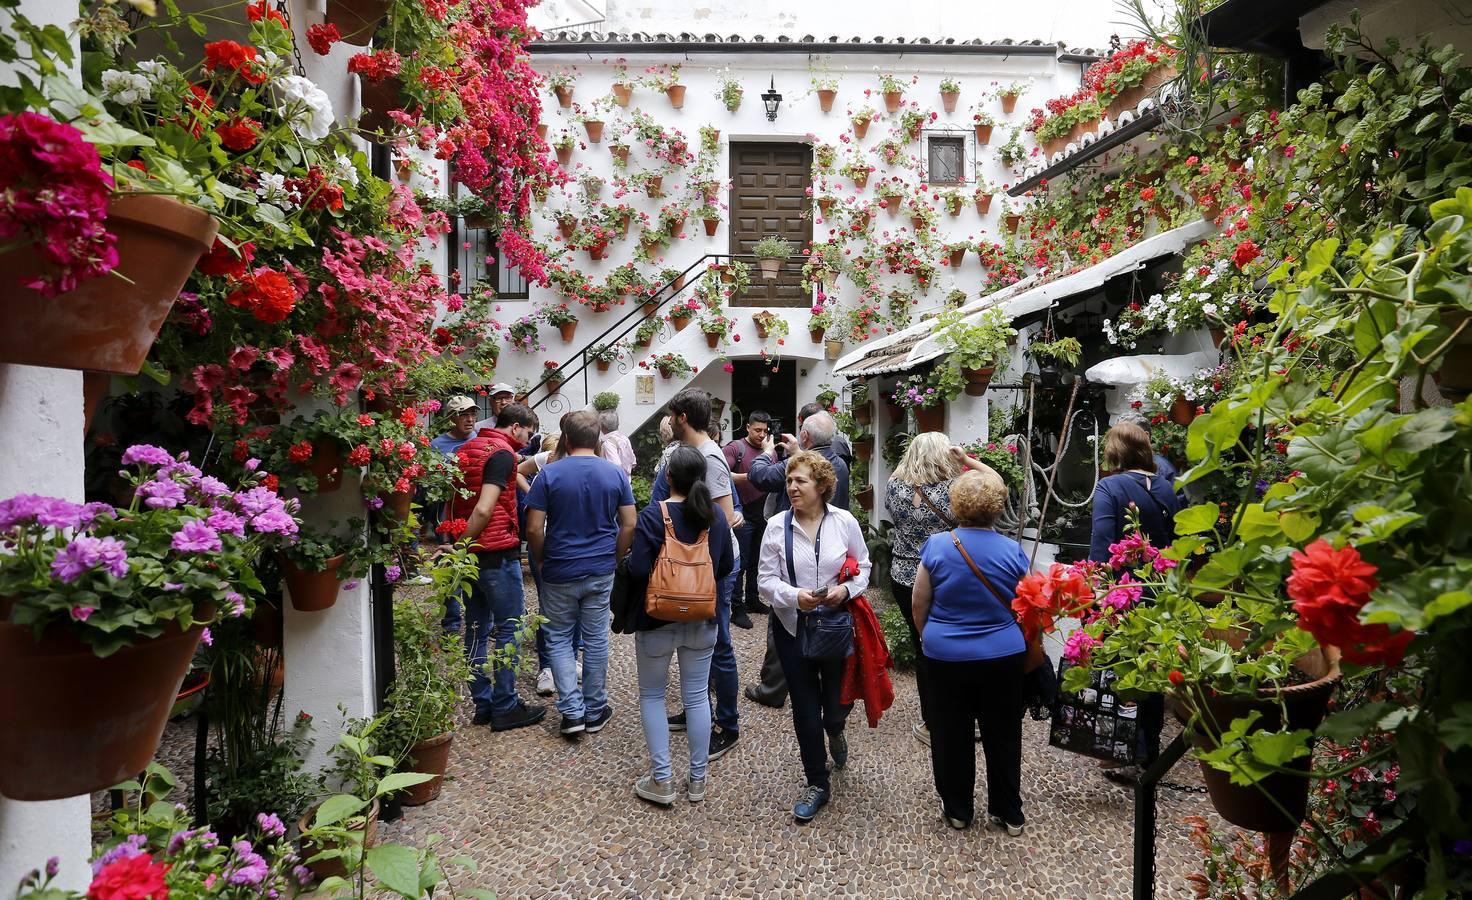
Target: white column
41,453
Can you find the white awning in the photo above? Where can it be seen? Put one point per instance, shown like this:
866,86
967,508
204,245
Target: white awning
917,344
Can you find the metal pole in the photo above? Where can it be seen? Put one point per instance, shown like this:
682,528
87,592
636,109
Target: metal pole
1144,871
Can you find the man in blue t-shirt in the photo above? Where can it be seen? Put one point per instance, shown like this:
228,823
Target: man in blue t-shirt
579,522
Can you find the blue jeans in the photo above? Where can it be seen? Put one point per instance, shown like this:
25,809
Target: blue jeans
749,537
454,618
694,641
723,678
572,608
493,610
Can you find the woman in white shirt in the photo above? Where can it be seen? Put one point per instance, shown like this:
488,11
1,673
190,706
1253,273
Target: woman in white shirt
822,537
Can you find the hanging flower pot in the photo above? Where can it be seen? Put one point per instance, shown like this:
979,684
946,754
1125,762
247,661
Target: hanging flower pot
833,348
620,152
816,334
957,256
1013,220
654,185
676,93
430,756
863,414
770,268
983,204
356,20
895,411
564,155
554,385
650,306
866,497
568,329
566,227
825,100
603,364
825,205
108,323
864,448
622,92
326,464
76,722
710,227
1454,378
595,131
977,380
930,418
861,129
564,96
917,223
984,134
327,868
892,100
1009,103
861,180
948,100
542,130
679,283
1218,335
312,591
376,99
397,504
645,340
713,341
680,323
1182,411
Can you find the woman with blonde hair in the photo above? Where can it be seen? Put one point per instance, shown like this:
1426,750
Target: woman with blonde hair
918,499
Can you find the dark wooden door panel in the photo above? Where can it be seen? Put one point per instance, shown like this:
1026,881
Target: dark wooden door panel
769,184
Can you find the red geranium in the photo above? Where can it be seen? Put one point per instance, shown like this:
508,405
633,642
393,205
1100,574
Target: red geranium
131,878
239,58
452,528
268,295
257,10
1044,597
239,135
376,66
221,260
300,452
322,37
1245,253
360,455
1328,588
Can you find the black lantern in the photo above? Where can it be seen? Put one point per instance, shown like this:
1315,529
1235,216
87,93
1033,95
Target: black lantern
772,100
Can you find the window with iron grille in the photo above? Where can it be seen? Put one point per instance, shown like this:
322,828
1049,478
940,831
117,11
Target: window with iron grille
947,157
475,247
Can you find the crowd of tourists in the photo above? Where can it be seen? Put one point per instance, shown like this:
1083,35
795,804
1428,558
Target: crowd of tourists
761,526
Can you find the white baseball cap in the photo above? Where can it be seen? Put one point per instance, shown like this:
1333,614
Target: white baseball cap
459,404
501,387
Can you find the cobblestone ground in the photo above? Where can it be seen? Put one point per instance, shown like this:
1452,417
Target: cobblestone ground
545,817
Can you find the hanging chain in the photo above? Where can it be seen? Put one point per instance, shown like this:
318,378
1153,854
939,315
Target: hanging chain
296,50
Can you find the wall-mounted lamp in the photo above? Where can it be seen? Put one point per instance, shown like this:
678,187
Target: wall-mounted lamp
772,100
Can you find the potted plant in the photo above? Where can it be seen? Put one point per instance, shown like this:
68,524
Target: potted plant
561,82
552,375
912,123
826,88
769,324
950,89
858,171
623,85
920,394
716,328
314,568
893,90
861,120
922,216
955,253
666,80
833,346
977,349
1011,217
561,316
564,144
730,91
603,355
1008,94
1051,353
710,215
682,311
1012,153
982,195
103,610
669,365
771,252
890,192
644,334
819,321
983,122
605,400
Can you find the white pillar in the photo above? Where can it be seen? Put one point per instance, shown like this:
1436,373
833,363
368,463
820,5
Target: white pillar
41,453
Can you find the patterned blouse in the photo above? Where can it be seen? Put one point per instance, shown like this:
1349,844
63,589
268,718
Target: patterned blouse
914,522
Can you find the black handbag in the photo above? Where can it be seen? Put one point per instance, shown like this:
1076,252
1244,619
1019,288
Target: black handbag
827,633
626,597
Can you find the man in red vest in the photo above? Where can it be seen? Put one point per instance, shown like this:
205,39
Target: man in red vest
497,602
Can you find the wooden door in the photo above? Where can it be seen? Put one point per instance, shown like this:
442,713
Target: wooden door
769,185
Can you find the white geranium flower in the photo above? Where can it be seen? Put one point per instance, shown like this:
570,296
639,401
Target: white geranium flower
271,187
127,88
306,107
344,171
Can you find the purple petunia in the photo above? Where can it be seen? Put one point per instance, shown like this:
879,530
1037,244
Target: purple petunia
226,522
237,605
148,455
249,867
126,850
211,486
195,536
91,512
158,494
252,464
85,553
270,824
22,509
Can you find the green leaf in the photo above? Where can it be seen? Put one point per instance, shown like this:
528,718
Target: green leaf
397,868
1299,526
1343,727
1446,604
478,893
336,808
1278,748
1196,519
400,780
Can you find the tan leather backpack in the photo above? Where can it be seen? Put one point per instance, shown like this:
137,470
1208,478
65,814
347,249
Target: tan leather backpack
682,585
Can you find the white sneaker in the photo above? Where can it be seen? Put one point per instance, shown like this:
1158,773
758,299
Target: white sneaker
546,687
695,788
421,579
921,733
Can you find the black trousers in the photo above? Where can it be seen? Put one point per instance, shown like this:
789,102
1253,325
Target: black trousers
750,535
988,691
903,598
814,688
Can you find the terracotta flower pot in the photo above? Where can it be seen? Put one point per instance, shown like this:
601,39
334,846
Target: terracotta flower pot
710,227
654,186
327,868
542,130
917,223
567,329
1182,411
676,93
864,448
833,348
977,380
326,464
1129,99
956,257
312,591
816,334
891,206
566,227
1210,207
75,722
622,93
376,99
554,385
984,204
713,341
430,756
861,129
761,330
603,365
650,306
892,100
863,414
108,323
770,268
1013,220
825,205
825,100
895,411
931,418
1454,378
595,131
356,20
984,134
564,155
861,181
397,504
866,497
1009,104
948,100
680,323
679,283
564,96
620,152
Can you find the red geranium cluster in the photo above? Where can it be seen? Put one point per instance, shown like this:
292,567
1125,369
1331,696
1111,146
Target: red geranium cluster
316,191
322,37
53,198
223,261
1103,76
1328,588
239,135
131,878
452,528
257,10
376,66
266,294
1044,597
242,59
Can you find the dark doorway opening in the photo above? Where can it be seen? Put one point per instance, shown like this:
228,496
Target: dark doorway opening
754,386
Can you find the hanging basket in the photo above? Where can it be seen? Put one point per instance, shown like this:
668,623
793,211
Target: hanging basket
931,418
108,323
376,99
430,756
564,155
680,323
860,129
948,101
977,380
397,504
75,722
603,365
1013,220
356,20
956,257
312,591
984,204
620,152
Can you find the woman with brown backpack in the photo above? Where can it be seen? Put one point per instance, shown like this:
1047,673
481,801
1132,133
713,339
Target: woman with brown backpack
683,546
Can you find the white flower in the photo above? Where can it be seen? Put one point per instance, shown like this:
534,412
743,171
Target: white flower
127,88
152,69
271,187
306,107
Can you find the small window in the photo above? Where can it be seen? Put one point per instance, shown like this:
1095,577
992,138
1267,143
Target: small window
470,255
947,160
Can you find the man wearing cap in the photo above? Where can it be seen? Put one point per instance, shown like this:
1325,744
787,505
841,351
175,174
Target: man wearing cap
501,395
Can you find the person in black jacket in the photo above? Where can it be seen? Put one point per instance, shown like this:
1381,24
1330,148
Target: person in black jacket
691,514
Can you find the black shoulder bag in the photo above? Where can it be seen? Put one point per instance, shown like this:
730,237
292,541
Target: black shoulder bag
827,633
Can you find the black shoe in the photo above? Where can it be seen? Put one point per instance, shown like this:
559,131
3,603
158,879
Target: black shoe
572,727
755,695
757,607
838,749
677,721
481,717
740,619
1125,775
520,717
721,740
595,723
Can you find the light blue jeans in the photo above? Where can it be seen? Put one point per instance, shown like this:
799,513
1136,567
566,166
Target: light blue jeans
694,642
571,608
